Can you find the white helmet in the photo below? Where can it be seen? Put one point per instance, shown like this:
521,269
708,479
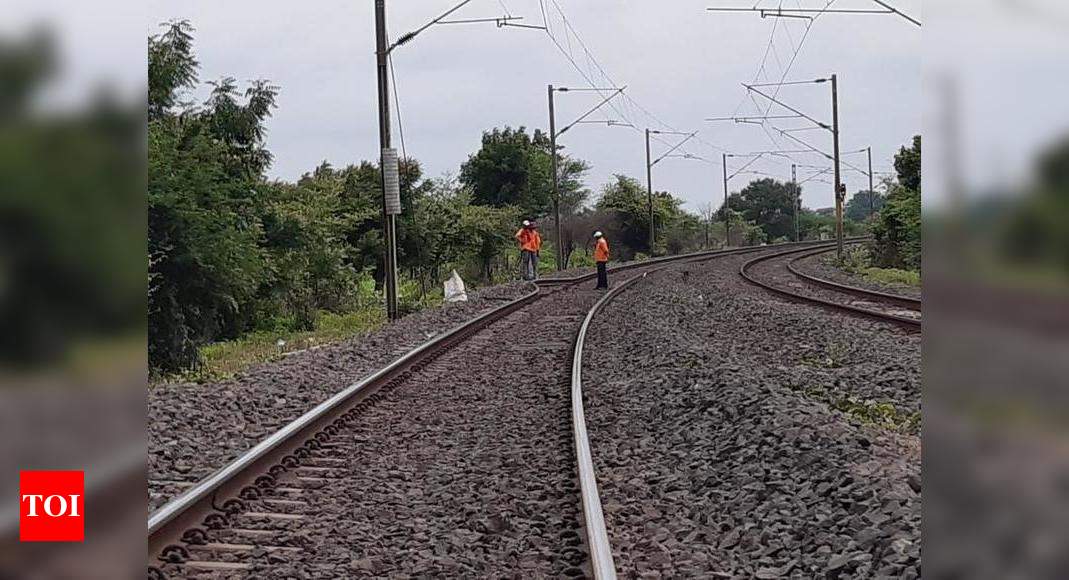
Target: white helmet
597,234
526,223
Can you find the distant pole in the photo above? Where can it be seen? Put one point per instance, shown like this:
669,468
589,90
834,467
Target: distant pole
649,188
839,197
797,199
727,216
386,154
872,194
556,186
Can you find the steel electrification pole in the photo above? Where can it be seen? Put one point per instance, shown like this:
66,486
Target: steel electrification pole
727,214
388,168
649,188
872,194
838,176
556,185
797,199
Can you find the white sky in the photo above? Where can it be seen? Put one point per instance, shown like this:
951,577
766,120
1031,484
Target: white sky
679,62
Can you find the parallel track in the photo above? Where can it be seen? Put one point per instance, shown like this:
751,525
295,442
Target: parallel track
186,522
875,302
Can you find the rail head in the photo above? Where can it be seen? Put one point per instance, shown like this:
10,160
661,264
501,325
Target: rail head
597,534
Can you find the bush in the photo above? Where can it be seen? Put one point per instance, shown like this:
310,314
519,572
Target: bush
897,232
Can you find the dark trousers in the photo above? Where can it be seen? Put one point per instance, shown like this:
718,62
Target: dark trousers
603,276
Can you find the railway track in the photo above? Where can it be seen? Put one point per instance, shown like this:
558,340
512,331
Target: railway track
779,273
470,469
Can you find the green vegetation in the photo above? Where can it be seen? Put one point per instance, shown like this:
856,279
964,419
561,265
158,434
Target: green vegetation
237,260
897,230
880,414
769,204
834,357
856,260
1035,236
864,205
222,360
233,255
892,276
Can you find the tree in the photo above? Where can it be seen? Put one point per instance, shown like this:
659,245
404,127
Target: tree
627,200
863,205
1035,235
707,214
769,204
908,165
897,231
171,67
513,168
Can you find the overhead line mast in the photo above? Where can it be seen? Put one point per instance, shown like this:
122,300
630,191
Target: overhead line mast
389,173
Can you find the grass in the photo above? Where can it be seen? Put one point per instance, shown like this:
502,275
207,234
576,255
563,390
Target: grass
835,356
223,360
880,414
856,261
892,276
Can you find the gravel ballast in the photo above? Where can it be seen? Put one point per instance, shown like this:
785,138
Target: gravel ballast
193,429
719,449
464,469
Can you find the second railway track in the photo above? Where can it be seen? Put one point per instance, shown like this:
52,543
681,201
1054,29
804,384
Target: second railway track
457,460
780,273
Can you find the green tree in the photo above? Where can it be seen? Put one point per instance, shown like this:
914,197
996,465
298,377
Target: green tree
171,67
863,205
627,201
897,231
513,168
1036,234
769,204
206,262
908,165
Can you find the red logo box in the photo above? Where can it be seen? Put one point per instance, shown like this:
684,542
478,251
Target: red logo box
51,506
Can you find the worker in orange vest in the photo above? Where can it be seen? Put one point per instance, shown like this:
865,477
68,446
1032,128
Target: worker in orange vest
530,248
601,256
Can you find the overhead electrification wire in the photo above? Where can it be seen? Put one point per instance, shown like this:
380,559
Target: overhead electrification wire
627,102
397,109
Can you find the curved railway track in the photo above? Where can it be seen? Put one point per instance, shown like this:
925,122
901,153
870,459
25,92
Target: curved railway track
779,273
268,508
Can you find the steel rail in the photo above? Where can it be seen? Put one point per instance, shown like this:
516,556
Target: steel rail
167,523
912,324
203,493
896,299
597,535
693,256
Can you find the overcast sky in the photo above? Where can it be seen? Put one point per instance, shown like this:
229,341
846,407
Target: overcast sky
679,62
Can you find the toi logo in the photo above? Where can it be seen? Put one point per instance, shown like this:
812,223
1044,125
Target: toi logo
51,506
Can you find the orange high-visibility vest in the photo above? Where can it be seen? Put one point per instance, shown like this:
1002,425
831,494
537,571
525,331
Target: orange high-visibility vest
534,241
529,240
601,251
